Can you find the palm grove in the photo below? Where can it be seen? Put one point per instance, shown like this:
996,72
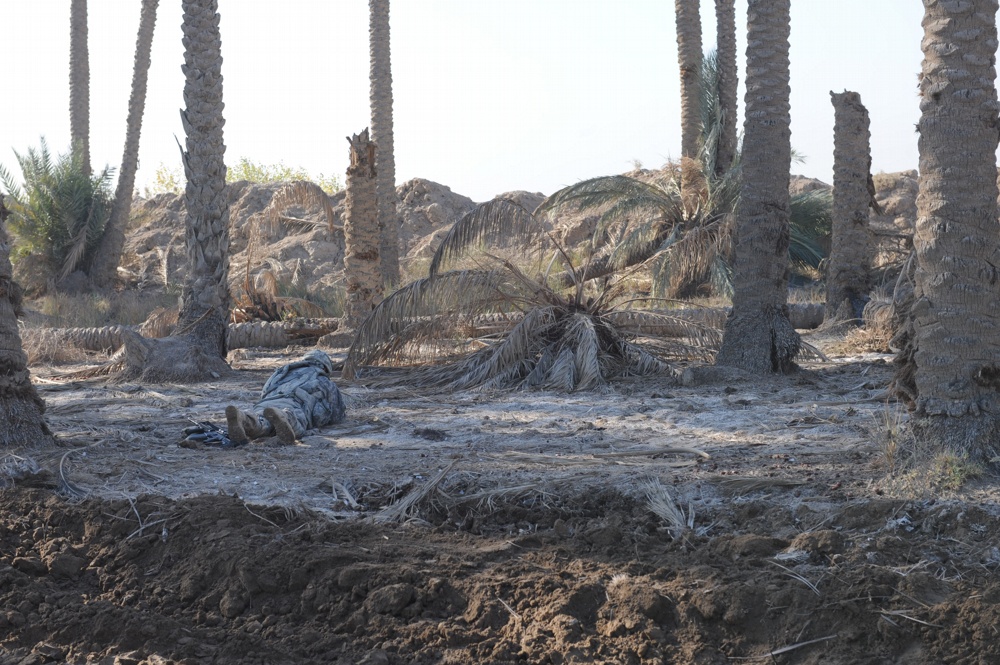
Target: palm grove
567,318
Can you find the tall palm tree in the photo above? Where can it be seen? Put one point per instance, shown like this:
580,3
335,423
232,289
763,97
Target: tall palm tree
79,81
20,406
689,56
361,233
381,108
758,336
197,348
849,275
109,254
725,20
951,363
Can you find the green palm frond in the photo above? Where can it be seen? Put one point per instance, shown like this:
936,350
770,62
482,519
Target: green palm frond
500,223
58,216
810,226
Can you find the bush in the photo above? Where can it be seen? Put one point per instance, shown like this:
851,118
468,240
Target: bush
58,216
171,180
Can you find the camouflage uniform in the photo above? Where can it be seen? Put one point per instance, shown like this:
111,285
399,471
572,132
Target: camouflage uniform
298,397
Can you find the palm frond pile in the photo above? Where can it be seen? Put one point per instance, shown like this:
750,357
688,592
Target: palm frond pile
492,279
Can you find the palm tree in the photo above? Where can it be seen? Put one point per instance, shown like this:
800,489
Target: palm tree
689,56
849,275
758,336
361,233
79,81
20,406
58,215
490,274
725,19
381,109
197,349
950,366
109,254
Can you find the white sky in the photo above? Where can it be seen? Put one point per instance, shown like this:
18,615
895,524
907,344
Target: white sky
489,95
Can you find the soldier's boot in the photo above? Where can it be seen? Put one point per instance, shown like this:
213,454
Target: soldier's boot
242,426
282,427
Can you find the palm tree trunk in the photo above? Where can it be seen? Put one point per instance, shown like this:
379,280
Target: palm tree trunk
848,278
361,233
20,406
205,298
758,336
381,109
725,20
689,58
109,254
79,81
197,348
954,347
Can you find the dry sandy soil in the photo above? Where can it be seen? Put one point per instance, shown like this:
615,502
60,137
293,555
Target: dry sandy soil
492,528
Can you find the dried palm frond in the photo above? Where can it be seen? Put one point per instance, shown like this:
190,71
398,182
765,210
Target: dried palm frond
297,193
666,507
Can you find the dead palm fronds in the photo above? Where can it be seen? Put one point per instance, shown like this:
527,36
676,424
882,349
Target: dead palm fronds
551,335
293,194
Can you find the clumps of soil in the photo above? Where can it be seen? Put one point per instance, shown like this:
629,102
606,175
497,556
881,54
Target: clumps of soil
592,578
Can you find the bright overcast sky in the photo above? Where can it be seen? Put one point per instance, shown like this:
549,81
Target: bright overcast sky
490,95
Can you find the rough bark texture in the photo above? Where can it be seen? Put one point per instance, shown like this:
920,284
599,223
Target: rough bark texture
725,21
361,233
79,81
205,298
952,354
689,59
758,336
197,351
849,275
20,406
381,108
106,262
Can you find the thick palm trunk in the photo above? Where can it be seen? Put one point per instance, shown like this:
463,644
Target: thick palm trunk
954,348
725,20
205,297
79,81
848,278
689,58
381,108
361,233
109,254
197,348
758,336
20,406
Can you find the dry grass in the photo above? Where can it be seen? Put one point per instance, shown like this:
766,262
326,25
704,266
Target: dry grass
48,347
95,310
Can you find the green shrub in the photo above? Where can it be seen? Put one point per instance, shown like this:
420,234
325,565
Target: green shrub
171,180
58,216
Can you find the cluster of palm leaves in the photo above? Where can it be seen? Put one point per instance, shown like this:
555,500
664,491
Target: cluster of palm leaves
497,312
58,216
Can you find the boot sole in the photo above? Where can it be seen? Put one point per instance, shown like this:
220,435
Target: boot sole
280,425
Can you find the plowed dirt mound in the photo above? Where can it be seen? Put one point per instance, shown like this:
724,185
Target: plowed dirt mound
595,578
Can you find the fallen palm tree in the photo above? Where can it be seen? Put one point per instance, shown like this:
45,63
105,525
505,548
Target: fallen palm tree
267,334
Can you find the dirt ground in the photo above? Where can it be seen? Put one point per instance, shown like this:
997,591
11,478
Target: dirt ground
493,528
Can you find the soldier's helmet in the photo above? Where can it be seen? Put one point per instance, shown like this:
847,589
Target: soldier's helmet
318,357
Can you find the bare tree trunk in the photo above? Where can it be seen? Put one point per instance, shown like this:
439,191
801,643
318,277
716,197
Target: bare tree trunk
758,336
951,363
197,348
725,19
848,278
689,57
79,81
361,233
109,254
20,406
381,109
